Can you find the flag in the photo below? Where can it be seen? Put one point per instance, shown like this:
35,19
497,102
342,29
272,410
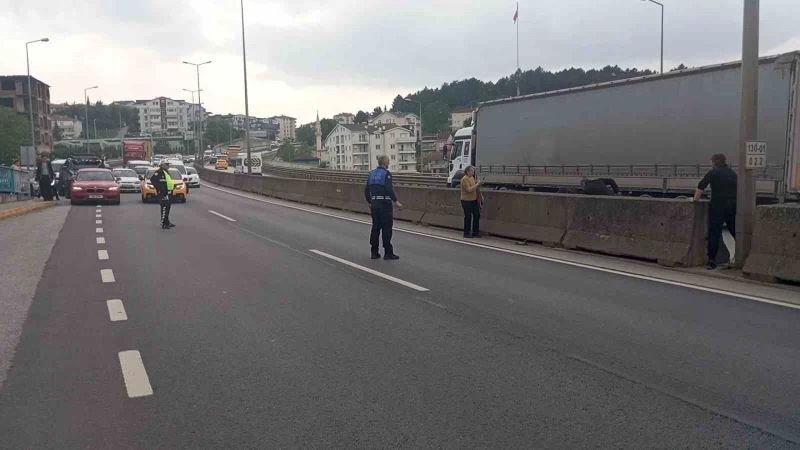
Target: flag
516,14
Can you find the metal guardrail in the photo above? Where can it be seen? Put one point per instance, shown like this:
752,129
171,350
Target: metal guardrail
14,181
347,176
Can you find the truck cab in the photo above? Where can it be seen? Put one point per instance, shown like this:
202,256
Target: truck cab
461,155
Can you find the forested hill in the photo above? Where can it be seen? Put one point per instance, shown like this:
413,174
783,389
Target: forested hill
438,102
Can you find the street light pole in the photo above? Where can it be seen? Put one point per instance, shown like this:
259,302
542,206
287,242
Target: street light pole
662,31
86,123
197,149
748,131
246,103
199,102
30,96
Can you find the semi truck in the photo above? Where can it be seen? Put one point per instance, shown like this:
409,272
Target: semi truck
136,150
653,135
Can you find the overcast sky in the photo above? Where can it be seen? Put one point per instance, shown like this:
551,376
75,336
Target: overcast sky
346,55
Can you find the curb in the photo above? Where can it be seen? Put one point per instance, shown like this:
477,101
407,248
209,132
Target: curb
20,210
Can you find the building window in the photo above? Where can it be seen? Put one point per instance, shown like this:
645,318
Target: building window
377,146
391,146
393,158
391,135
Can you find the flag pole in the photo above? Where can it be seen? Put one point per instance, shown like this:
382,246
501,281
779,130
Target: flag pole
517,22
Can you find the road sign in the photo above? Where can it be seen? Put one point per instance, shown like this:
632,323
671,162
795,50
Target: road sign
756,155
27,156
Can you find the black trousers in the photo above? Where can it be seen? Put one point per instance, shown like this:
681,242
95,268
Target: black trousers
382,218
166,205
44,187
719,214
472,217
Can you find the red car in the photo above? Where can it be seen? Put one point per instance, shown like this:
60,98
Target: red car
94,186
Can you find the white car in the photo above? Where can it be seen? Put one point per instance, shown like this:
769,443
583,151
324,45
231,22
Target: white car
192,178
128,180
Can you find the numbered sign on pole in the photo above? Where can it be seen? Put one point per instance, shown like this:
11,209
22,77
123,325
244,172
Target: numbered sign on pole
756,157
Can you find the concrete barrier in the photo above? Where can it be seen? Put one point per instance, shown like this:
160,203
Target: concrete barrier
775,251
671,232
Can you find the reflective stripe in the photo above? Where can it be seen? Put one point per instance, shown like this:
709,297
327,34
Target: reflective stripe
380,197
170,183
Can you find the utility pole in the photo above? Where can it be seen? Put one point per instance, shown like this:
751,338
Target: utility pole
748,131
199,102
662,30
246,104
30,95
86,122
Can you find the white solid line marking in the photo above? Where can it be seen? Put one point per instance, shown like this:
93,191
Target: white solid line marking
98,222
136,381
98,215
100,240
373,272
528,255
107,275
116,311
220,215
98,230
102,255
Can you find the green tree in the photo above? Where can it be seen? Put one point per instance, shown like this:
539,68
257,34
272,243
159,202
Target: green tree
58,133
286,152
361,117
377,111
219,131
161,147
468,122
327,125
14,132
307,134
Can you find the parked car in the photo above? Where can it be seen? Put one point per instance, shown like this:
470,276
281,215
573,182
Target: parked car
149,191
192,178
95,186
128,180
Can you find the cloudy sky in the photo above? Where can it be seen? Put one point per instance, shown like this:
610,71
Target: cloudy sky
345,55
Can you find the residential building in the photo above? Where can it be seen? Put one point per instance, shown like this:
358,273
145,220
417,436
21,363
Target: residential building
14,95
288,126
263,128
71,128
357,146
345,118
162,115
397,118
458,115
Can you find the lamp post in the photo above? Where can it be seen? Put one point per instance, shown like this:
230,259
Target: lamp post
30,96
199,102
662,31
246,104
95,127
86,123
419,136
197,149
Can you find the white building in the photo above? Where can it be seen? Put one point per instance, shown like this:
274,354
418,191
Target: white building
357,147
458,116
345,118
288,127
162,115
70,128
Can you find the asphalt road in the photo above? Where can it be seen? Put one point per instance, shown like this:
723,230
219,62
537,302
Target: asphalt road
255,330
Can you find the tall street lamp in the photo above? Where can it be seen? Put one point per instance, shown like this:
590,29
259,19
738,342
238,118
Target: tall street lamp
662,31
199,102
86,123
30,96
246,103
194,117
419,135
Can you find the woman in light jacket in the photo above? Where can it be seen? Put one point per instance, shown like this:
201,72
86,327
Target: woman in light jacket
470,204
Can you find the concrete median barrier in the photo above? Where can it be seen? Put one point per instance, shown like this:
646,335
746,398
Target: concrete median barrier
775,252
541,218
670,232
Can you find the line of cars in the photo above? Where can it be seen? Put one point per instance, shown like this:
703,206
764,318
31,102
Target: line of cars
184,177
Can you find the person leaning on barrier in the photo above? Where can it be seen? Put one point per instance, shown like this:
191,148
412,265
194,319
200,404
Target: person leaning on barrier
380,195
722,210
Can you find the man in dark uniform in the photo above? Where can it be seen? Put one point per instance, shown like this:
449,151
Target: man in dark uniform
722,210
379,193
164,186
45,176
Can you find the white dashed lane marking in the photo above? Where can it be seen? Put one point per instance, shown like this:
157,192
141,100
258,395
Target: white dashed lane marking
416,287
98,230
98,222
107,275
102,255
136,381
116,311
222,216
100,240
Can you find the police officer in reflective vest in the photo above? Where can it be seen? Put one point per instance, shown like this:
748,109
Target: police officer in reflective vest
380,196
164,186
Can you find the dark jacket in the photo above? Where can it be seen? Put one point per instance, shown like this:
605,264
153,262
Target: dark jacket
39,170
159,181
379,184
723,184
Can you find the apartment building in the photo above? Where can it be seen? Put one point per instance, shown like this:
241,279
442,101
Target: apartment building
14,95
409,120
71,128
458,115
345,118
288,127
162,115
357,146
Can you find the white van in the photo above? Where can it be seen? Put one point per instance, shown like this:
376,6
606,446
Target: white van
240,163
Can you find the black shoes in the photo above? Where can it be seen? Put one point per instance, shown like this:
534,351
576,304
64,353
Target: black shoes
391,257
376,256
711,265
167,226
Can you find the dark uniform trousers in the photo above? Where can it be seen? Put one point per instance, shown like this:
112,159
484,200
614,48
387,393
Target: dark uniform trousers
719,214
382,217
166,205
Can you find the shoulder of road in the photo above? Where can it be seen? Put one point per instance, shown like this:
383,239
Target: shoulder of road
12,209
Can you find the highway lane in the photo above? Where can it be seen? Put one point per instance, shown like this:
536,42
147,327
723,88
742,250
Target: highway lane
251,340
